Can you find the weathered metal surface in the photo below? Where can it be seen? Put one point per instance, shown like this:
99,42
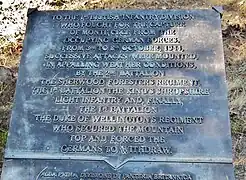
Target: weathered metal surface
122,86
96,170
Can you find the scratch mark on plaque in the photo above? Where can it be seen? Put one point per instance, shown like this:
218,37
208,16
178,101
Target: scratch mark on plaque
41,172
55,75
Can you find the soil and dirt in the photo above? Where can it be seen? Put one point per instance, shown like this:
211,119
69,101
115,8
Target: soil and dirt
12,26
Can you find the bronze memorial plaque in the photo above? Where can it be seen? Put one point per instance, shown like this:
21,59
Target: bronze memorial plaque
121,94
